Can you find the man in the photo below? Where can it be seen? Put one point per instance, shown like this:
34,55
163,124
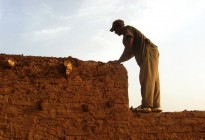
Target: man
146,55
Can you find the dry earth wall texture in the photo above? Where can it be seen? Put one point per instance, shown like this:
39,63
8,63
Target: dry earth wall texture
62,98
47,98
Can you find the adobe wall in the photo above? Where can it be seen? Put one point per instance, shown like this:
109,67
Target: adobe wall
67,99
186,125
39,101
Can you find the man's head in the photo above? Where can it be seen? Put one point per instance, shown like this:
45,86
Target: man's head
118,27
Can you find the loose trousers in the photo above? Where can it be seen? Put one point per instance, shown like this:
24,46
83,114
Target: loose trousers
149,77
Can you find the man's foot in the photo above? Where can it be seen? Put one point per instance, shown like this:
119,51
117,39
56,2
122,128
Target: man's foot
156,109
143,109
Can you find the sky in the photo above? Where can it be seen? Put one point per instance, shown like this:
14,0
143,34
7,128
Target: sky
80,28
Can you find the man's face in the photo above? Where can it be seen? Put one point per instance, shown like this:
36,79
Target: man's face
118,30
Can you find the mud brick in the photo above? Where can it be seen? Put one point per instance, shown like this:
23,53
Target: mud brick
200,128
117,116
199,114
117,93
139,122
167,121
117,124
192,120
119,84
103,69
153,129
3,99
180,129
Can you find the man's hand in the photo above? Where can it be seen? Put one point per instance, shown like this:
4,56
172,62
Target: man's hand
114,62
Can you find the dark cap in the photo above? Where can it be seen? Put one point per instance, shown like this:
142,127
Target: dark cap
118,22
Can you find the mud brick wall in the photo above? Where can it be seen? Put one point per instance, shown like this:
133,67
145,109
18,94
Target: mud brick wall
47,98
186,125
39,101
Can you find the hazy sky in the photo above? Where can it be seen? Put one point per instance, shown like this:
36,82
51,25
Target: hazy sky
80,28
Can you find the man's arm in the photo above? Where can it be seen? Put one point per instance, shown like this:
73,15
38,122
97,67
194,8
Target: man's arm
127,53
